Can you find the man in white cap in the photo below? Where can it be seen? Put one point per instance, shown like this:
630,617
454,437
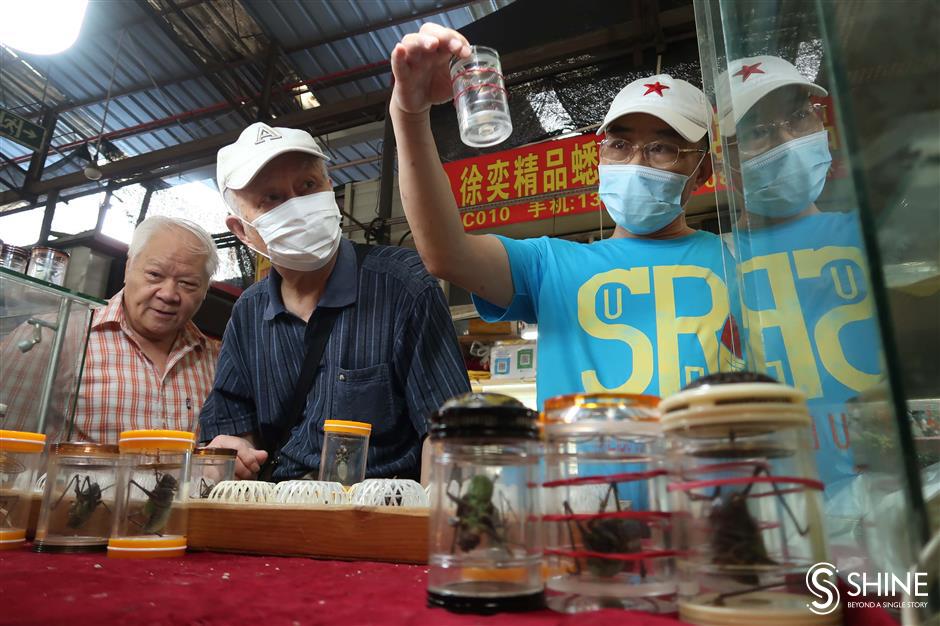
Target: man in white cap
642,312
389,353
806,293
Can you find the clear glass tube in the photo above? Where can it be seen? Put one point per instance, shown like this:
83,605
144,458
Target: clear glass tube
48,265
345,452
481,98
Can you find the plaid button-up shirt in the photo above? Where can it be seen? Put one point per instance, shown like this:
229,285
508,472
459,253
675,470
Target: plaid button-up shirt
121,388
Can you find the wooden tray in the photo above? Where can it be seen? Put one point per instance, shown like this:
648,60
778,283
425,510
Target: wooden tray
393,534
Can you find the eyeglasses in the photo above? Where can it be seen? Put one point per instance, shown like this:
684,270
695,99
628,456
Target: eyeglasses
753,140
659,154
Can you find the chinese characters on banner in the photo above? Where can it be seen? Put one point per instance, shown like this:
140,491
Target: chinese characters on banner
513,176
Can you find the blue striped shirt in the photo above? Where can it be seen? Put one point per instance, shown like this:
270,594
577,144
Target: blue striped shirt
391,360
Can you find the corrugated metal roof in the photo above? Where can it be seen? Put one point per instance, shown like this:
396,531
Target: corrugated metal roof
122,39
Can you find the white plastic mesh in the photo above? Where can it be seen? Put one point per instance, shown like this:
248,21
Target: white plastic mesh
238,491
388,492
309,492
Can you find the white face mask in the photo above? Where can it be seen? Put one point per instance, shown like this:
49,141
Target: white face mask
301,234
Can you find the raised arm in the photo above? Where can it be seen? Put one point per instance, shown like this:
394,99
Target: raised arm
477,263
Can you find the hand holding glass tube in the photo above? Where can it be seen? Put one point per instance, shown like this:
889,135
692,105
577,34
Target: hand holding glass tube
437,64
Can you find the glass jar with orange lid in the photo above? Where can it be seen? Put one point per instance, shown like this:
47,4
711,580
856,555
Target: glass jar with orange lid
20,456
78,499
153,488
607,530
345,451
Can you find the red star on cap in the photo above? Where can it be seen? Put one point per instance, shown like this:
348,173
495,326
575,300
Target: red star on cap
656,88
747,70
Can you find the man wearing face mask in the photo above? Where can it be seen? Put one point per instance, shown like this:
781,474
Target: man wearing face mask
390,356
642,312
807,306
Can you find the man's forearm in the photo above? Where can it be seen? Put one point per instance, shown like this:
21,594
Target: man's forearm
425,193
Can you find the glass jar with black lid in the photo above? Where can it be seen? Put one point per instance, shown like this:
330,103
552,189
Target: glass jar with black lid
485,544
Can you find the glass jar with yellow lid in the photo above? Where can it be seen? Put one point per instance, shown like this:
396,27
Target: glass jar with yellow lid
153,488
20,456
78,498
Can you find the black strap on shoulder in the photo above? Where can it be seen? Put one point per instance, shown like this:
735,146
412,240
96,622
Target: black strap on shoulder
316,337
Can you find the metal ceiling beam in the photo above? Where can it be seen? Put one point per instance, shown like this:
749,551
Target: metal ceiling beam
158,20
631,33
188,116
368,28
351,111
627,35
264,102
209,47
210,68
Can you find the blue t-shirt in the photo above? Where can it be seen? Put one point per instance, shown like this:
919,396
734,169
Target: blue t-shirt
627,315
806,288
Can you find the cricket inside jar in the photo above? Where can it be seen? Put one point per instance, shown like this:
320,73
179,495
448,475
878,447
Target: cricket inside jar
78,501
210,466
484,544
153,488
345,452
744,479
20,455
607,530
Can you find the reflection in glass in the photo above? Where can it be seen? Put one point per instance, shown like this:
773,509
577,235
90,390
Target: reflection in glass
813,303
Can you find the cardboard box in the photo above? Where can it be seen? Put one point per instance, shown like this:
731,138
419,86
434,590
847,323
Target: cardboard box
479,327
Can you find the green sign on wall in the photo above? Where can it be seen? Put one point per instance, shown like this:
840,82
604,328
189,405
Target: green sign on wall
20,130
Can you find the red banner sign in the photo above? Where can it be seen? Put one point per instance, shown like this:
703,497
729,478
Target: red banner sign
507,176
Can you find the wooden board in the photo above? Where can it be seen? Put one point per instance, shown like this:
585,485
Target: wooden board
393,534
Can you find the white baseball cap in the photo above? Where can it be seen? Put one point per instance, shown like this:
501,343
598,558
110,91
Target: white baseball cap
749,79
674,101
238,163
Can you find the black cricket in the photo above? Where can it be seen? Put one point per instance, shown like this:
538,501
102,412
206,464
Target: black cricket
610,536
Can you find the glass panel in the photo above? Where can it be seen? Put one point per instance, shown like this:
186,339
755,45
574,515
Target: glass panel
198,201
78,215
43,332
811,290
123,209
21,229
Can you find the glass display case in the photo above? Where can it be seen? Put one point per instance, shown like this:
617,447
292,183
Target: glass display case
43,334
828,120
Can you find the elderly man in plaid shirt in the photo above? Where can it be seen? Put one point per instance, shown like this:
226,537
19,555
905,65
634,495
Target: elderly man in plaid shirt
146,365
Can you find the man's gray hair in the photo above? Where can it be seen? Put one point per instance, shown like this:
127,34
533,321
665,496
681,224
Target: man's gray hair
230,196
158,223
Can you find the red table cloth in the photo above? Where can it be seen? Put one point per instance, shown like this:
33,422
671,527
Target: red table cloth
210,588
